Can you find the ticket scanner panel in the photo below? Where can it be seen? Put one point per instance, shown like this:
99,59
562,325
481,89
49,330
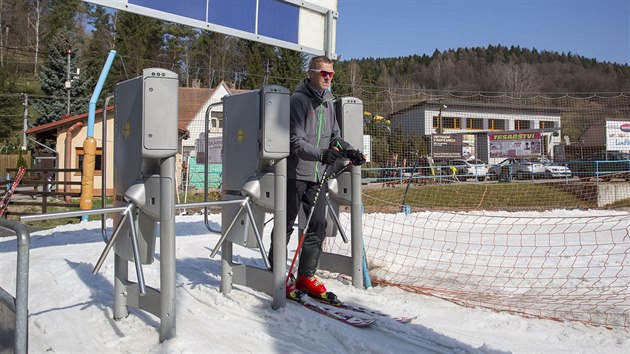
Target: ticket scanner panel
255,134
145,130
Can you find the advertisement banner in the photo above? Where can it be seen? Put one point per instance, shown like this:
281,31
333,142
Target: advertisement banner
214,150
521,144
446,146
367,147
617,135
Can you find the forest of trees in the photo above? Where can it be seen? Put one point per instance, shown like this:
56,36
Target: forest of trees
39,38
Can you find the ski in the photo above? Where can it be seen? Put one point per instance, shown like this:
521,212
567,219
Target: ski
332,300
332,311
4,203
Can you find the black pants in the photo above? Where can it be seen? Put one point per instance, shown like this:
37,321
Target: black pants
301,194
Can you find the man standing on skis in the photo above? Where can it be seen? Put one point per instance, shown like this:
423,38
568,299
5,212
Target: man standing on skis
315,144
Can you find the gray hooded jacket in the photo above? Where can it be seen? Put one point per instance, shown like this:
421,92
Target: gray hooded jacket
313,128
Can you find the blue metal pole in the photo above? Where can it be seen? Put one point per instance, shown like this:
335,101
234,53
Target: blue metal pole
97,92
92,105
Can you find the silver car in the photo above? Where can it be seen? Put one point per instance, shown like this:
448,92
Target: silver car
518,168
553,170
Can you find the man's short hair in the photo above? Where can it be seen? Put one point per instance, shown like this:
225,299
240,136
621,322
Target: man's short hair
319,59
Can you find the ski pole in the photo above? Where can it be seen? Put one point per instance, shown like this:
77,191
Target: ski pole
404,207
325,178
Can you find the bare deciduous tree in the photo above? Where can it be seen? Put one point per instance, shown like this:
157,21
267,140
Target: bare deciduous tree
387,81
517,79
34,21
354,77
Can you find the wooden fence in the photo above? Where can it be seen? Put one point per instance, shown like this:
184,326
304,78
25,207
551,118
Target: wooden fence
44,189
10,161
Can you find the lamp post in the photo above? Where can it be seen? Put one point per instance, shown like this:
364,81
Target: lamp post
68,83
440,129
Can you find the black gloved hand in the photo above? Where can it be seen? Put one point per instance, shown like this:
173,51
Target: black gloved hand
356,157
329,156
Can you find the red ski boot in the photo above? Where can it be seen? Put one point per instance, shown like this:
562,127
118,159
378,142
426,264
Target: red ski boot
310,285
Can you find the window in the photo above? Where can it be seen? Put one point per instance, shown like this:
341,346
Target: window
547,124
447,122
474,123
452,122
522,124
98,161
216,119
496,124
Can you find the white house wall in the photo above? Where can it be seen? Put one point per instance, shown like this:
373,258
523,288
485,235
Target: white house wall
197,126
510,118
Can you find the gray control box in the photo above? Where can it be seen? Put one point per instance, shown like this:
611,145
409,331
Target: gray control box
145,131
274,123
145,107
255,133
350,120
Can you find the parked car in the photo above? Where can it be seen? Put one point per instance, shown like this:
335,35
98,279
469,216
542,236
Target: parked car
603,165
552,169
516,167
466,169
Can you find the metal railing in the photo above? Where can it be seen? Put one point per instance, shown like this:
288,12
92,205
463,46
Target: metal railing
596,170
19,303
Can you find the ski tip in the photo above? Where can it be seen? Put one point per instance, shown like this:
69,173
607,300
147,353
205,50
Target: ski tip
363,323
404,319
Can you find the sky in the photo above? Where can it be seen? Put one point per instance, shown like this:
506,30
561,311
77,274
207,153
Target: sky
70,309
598,29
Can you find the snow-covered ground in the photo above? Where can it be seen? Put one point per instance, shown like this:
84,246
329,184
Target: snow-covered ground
70,310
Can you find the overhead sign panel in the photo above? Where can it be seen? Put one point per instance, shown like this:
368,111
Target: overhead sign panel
299,25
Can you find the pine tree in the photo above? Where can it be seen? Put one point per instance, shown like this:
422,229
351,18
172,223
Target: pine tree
52,79
288,68
62,14
179,39
259,59
101,43
139,42
215,57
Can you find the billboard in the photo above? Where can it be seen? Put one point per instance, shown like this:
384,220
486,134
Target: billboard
520,144
304,26
617,135
215,145
446,146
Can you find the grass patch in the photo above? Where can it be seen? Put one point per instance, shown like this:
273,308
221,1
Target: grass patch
495,196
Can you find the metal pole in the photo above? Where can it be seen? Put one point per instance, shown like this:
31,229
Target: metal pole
205,169
21,307
356,232
21,285
24,143
167,249
110,242
329,50
71,214
68,83
279,234
336,220
104,166
136,256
